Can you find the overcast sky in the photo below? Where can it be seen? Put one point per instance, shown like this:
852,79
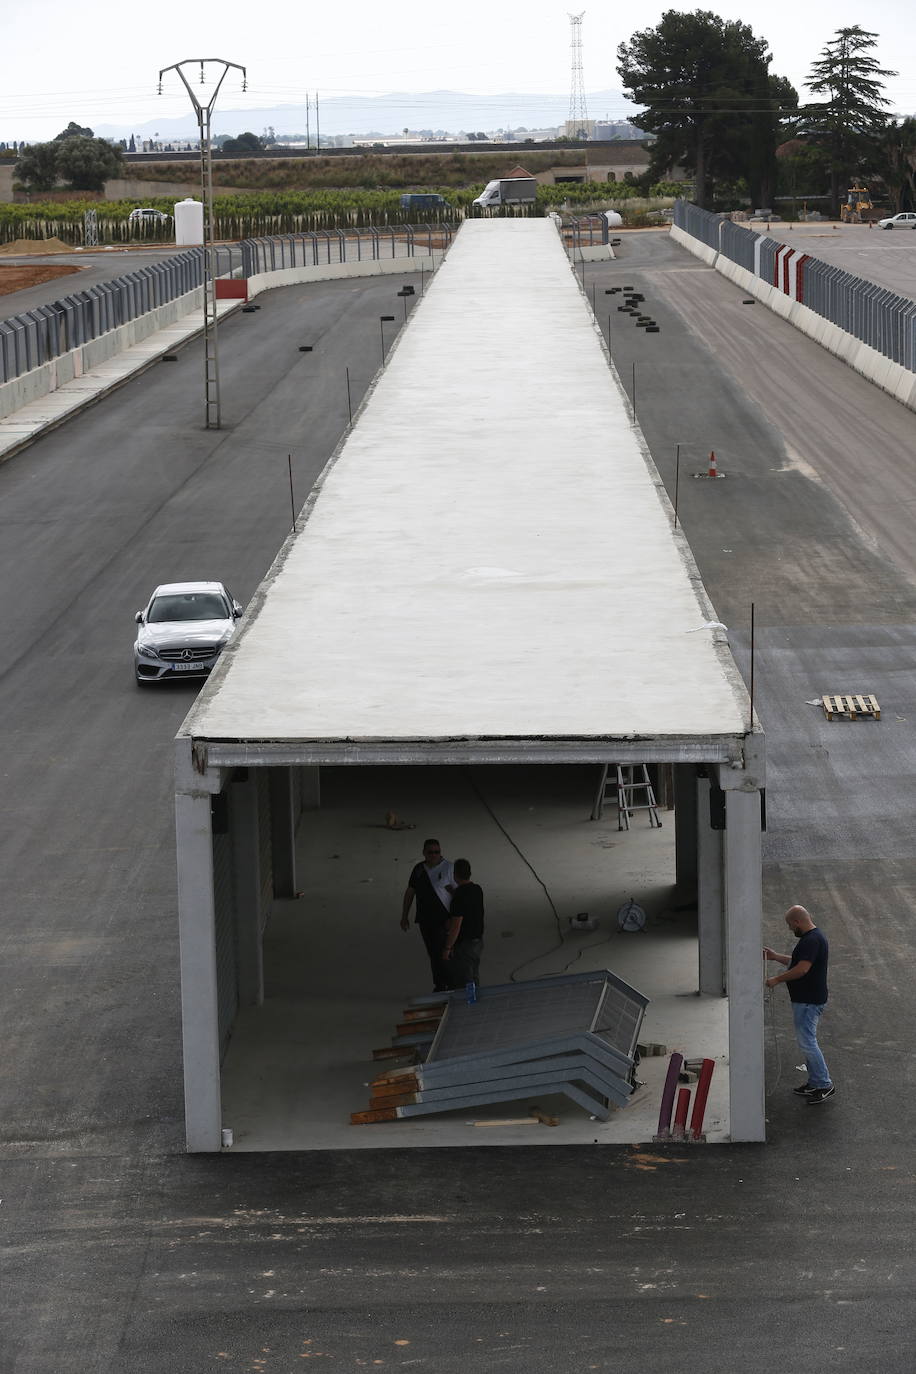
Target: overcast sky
98,63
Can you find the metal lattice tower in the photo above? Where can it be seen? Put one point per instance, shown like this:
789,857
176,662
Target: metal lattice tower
578,114
204,112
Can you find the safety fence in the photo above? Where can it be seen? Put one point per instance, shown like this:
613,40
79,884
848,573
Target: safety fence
318,247
585,231
876,316
45,332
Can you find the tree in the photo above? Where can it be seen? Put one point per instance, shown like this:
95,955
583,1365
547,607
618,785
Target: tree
802,174
853,116
87,163
245,143
73,131
895,162
36,166
710,99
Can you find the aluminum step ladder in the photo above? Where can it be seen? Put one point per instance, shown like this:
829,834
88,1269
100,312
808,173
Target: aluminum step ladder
631,782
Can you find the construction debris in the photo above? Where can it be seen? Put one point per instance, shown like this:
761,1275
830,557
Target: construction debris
572,1034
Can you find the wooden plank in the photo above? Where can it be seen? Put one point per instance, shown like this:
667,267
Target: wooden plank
416,1027
383,1090
423,1013
366,1118
510,1121
394,1052
384,1103
398,1076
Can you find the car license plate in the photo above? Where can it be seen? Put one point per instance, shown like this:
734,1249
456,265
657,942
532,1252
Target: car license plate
195,665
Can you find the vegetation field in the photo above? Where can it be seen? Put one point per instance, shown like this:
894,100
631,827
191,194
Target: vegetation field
252,214
369,171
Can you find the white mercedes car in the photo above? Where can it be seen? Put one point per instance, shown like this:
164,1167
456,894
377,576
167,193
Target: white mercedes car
183,630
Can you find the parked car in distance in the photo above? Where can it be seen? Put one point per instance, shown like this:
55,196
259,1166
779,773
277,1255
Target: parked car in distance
905,220
145,214
183,630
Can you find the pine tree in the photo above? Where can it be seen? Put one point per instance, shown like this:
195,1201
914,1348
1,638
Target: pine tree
710,99
853,116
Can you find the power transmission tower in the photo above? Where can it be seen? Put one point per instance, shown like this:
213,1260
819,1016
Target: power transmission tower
578,114
204,114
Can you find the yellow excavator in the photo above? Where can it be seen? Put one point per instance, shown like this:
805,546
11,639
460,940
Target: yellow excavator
858,208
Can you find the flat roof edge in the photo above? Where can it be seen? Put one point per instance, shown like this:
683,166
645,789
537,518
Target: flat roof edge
278,753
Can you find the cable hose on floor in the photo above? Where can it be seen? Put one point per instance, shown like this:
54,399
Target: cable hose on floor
528,863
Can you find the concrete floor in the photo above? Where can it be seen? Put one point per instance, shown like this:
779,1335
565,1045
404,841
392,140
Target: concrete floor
339,971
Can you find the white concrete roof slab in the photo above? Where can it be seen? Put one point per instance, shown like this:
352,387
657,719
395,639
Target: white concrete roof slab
491,554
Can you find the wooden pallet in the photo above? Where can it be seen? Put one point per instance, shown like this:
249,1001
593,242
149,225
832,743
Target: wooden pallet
851,705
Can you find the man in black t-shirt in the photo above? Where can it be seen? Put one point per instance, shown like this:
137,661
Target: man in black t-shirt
464,934
431,884
806,978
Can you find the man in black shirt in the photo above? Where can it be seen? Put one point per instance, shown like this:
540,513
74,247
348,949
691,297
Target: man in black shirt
431,884
806,977
464,935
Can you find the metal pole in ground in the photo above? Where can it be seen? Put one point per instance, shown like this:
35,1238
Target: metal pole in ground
204,113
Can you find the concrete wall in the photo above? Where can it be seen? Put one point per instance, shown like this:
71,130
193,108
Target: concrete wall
891,377
390,267
41,381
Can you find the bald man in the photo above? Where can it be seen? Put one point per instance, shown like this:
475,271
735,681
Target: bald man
806,978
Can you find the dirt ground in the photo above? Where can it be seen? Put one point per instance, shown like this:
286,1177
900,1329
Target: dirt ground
16,276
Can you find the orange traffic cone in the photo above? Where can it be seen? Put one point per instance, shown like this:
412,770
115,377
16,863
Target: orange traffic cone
713,470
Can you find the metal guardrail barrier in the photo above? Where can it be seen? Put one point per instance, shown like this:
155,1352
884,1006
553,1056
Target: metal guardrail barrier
315,247
39,335
874,315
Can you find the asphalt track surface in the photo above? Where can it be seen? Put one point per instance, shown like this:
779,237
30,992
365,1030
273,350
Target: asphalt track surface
885,256
92,269
123,1254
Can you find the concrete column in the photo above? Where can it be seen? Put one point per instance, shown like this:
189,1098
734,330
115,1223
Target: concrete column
685,831
710,897
197,948
743,908
283,831
310,787
246,875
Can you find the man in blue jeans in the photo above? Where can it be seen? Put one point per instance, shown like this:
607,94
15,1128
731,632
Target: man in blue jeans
806,976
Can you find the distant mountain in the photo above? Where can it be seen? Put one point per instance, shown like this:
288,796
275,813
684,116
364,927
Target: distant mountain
387,115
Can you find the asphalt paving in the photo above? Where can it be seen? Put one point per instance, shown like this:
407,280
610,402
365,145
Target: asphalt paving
92,268
885,256
122,1253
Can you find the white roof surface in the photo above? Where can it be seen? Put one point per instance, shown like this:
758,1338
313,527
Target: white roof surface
491,553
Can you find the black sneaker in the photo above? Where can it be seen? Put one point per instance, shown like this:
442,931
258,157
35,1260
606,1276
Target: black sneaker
804,1090
820,1094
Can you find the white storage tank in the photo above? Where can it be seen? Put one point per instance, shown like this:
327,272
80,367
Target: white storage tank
189,221
614,220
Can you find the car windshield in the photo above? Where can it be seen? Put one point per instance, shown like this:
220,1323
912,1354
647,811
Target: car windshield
188,606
